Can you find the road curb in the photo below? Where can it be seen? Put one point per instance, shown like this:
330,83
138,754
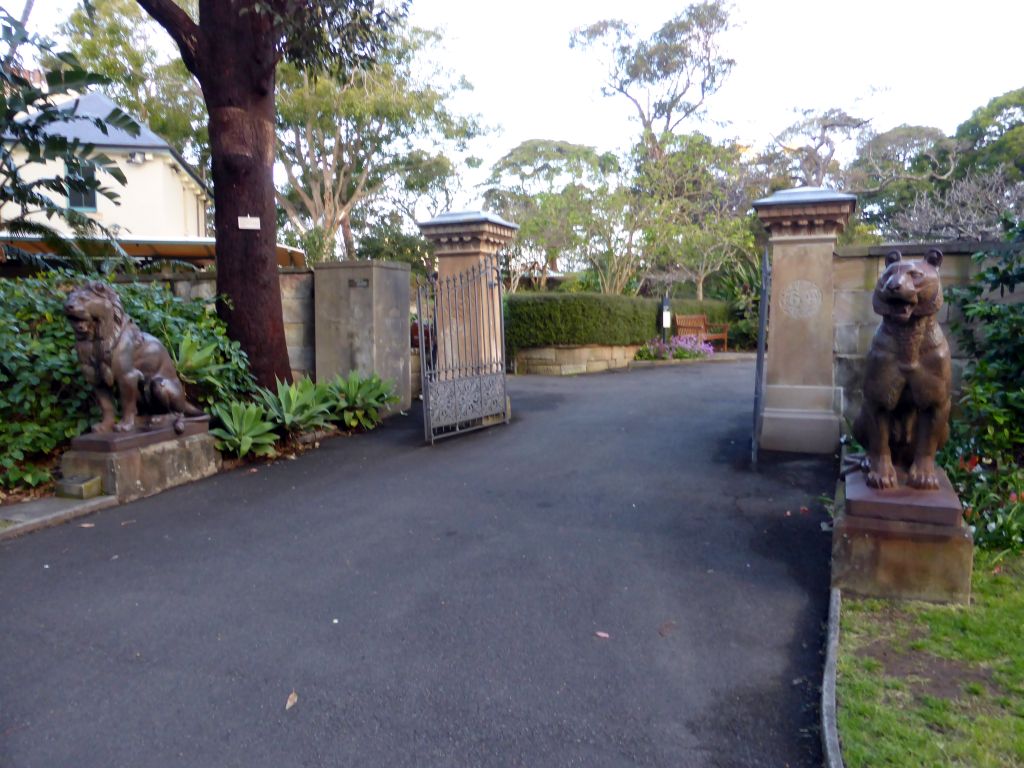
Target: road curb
829,727
34,515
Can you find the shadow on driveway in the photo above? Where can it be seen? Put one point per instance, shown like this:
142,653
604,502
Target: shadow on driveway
443,606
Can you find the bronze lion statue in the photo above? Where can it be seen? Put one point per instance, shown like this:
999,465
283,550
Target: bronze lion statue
907,381
115,355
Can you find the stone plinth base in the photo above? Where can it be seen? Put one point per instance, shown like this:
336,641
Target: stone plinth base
134,472
881,546
799,431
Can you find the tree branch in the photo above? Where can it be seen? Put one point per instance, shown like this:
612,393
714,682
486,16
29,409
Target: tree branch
179,26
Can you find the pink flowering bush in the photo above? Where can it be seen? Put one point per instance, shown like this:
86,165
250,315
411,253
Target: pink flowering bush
676,348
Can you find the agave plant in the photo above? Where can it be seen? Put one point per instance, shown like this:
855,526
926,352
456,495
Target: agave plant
357,401
244,427
298,407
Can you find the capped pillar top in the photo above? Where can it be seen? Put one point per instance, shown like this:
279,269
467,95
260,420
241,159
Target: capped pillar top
458,231
805,211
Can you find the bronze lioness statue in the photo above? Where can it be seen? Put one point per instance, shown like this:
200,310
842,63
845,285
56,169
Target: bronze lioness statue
905,416
115,355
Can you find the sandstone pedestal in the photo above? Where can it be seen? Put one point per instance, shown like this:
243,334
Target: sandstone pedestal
136,464
902,543
801,402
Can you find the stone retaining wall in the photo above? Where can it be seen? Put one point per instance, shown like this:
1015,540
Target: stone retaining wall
571,360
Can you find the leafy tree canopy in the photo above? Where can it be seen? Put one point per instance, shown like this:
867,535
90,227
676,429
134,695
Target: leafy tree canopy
994,136
669,76
118,40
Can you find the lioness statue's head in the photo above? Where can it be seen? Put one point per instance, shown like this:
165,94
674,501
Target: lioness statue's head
94,311
908,289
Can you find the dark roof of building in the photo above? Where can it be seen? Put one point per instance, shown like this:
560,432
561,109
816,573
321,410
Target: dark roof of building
97,105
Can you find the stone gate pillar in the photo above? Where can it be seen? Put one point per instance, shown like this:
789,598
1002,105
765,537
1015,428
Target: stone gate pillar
801,408
464,240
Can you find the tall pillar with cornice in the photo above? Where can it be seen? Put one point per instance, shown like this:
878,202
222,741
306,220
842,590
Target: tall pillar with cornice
801,408
463,241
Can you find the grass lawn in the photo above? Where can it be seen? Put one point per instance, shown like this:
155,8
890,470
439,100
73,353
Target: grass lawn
926,685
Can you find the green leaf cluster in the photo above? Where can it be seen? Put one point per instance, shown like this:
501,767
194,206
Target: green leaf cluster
357,401
32,115
985,453
550,319
244,427
44,400
298,406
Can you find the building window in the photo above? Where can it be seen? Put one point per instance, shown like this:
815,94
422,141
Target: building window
83,199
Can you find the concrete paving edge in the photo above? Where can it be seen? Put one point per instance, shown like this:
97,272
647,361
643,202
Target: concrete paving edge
74,508
829,727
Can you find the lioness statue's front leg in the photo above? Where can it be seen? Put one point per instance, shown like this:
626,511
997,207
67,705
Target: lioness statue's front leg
106,400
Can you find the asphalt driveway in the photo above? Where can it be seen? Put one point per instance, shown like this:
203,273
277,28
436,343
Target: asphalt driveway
603,582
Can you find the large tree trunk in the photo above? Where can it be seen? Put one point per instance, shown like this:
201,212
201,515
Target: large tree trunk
232,55
237,76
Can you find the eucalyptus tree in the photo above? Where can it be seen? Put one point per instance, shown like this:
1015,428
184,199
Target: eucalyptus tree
233,48
115,38
697,224
343,141
667,77
545,186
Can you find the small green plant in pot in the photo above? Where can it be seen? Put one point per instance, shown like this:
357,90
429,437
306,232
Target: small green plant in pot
357,402
244,428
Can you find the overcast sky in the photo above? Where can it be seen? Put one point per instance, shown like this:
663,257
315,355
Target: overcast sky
894,61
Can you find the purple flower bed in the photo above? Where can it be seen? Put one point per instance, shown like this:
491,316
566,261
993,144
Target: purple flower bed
676,348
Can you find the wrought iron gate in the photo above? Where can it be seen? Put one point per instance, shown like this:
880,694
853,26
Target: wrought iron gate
462,351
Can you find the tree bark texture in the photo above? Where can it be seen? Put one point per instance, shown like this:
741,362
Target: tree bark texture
233,56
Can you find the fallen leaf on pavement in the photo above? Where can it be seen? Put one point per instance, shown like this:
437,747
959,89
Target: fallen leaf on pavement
87,525
666,629
293,697
127,522
602,635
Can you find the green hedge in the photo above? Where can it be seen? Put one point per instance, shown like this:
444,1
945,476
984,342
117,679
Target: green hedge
550,319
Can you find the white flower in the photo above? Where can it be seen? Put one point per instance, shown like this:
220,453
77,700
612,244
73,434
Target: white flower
991,527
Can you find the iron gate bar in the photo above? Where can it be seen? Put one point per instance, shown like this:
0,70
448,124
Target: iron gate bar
762,345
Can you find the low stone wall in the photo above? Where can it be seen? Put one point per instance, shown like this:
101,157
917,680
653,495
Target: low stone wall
572,360
855,272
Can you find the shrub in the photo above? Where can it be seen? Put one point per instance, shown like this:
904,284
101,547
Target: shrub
297,407
357,402
985,453
550,319
244,427
676,348
44,402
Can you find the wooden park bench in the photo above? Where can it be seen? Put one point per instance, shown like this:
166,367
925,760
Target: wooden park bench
698,325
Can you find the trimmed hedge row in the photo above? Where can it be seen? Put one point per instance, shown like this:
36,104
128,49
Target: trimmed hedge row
551,319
